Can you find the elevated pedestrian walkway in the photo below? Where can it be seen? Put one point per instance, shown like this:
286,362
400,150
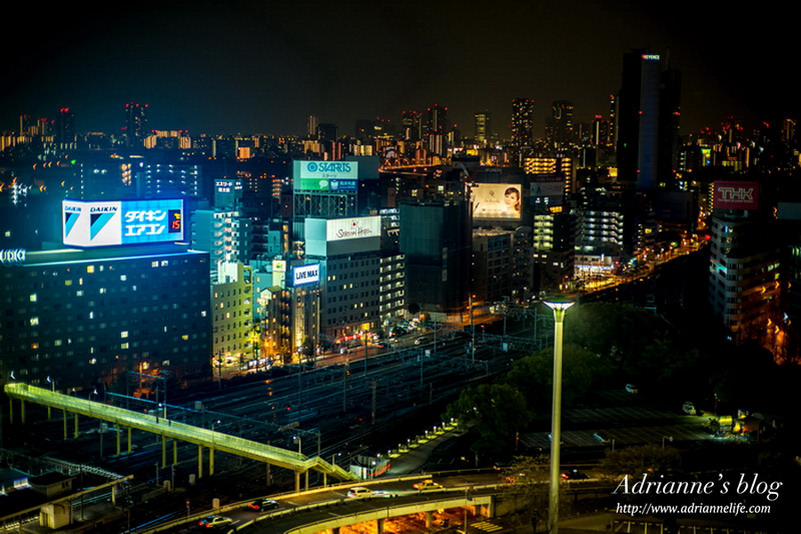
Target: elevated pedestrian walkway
174,430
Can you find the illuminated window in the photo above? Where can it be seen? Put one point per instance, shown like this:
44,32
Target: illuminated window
90,268
124,334
33,297
34,321
124,345
123,277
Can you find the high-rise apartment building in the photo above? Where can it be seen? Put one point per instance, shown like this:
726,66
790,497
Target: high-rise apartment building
437,130
135,128
64,128
232,313
744,276
559,126
522,127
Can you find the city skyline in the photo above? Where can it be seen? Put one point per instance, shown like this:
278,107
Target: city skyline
258,67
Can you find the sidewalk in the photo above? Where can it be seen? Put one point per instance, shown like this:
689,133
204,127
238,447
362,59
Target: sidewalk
409,459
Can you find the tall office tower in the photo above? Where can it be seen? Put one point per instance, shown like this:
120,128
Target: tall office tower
135,129
65,128
412,125
436,239
437,129
24,123
483,122
327,132
559,126
600,132
522,127
311,126
648,121
613,119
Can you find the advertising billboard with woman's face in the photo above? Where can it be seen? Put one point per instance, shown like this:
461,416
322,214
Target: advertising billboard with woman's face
496,201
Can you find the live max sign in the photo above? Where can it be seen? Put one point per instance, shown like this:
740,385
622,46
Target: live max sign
731,195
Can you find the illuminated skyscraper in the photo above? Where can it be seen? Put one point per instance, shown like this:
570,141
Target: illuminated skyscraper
412,125
311,126
522,127
437,129
559,126
135,129
483,121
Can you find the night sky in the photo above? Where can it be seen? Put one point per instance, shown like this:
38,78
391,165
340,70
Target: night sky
263,67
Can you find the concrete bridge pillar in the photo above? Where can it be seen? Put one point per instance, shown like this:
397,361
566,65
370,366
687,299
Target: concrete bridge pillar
429,519
380,525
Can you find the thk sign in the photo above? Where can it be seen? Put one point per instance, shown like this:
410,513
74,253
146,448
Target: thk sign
731,195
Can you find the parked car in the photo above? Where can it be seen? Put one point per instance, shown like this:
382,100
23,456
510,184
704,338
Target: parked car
215,521
427,485
262,505
359,493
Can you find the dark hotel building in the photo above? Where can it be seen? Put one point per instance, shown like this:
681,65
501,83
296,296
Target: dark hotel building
87,316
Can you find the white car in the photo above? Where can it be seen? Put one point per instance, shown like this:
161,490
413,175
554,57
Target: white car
359,493
215,521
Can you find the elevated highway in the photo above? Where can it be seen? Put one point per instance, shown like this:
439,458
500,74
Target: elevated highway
173,431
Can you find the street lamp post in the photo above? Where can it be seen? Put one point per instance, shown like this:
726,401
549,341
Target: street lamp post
559,308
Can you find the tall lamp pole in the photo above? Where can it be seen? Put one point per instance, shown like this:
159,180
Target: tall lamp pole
559,308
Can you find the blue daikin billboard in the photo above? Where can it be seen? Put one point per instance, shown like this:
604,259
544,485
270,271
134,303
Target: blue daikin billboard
122,222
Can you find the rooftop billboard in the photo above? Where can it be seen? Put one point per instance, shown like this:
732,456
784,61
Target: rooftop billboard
121,222
305,274
497,201
329,176
735,195
326,237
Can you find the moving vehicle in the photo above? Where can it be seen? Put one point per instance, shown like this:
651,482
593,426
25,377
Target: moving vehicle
688,408
575,474
601,436
631,388
427,485
359,493
262,505
215,521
